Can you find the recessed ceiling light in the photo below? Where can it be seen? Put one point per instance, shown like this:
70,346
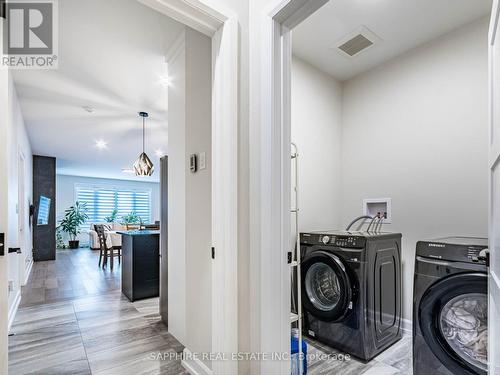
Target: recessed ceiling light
159,153
165,80
128,170
100,144
88,109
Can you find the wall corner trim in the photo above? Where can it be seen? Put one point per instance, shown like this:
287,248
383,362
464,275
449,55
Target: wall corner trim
29,267
194,365
407,326
13,308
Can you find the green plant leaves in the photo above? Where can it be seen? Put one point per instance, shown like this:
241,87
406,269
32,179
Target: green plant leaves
113,217
131,218
74,217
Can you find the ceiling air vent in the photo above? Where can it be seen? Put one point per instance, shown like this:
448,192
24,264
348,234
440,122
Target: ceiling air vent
357,41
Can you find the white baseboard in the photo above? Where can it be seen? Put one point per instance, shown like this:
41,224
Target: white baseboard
407,326
194,366
13,308
29,267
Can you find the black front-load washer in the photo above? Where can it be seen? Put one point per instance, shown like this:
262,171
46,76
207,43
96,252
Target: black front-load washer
351,290
450,334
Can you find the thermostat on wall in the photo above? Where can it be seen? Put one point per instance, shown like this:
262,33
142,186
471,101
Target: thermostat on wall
375,206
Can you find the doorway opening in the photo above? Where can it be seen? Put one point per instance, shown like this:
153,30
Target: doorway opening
372,120
216,31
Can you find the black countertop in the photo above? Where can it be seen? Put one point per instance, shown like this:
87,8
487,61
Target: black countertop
139,232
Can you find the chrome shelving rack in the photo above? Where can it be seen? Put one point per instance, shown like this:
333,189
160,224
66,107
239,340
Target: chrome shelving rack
296,256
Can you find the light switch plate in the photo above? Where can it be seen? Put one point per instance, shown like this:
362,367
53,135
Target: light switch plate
203,160
193,163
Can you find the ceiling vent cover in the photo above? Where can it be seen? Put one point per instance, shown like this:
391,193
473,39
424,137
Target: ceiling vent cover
357,41
356,45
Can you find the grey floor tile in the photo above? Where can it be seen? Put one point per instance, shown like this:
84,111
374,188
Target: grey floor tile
74,367
324,360
399,355
74,320
37,360
127,354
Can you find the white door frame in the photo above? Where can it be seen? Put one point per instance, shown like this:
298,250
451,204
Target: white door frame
274,178
222,26
4,306
494,196
21,216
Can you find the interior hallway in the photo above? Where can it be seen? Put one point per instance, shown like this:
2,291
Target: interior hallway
74,320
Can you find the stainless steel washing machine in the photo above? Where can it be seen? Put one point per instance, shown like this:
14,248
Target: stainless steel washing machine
351,290
450,329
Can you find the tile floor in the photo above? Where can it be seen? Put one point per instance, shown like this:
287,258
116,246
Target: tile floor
74,320
395,360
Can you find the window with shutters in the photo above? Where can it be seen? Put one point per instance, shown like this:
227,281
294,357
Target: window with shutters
103,200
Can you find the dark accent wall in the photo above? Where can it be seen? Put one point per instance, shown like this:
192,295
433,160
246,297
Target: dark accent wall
44,183
3,9
164,239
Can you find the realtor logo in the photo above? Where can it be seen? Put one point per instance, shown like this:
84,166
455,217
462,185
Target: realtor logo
30,34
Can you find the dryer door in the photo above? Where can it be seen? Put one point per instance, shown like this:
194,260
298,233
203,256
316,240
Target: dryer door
326,287
453,320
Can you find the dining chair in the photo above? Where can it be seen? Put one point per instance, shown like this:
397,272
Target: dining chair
105,251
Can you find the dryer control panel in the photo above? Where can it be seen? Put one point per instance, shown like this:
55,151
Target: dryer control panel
458,249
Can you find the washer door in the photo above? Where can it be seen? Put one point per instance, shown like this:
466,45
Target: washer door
326,288
453,318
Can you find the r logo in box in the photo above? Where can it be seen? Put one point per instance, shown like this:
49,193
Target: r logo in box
30,34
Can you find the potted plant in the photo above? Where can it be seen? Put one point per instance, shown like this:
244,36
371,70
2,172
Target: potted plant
59,238
113,217
74,217
131,220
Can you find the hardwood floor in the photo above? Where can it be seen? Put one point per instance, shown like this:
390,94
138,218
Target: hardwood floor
74,320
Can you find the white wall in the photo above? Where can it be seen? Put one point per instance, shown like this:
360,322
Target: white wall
415,130
65,194
189,255
317,131
177,167
199,194
18,144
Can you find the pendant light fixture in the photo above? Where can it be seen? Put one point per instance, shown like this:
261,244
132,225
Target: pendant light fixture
143,166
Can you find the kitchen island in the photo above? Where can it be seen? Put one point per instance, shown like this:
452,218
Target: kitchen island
140,264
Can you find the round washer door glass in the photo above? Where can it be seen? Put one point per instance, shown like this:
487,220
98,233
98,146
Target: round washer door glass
464,325
322,286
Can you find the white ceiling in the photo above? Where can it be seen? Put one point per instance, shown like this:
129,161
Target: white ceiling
400,24
112,61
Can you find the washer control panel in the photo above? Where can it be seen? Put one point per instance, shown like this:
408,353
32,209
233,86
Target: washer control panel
333,240
475,254
349,241
355,242
459,249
